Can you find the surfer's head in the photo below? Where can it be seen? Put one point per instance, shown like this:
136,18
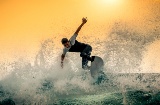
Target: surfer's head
65,42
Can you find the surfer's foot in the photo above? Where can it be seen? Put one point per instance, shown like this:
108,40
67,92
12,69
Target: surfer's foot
92,58
86,67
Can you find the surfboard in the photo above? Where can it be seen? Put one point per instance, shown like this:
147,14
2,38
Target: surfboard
96,66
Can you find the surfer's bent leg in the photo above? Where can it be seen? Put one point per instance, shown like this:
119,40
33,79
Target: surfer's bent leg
86,56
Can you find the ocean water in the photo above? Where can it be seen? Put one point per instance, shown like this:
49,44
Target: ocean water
128,77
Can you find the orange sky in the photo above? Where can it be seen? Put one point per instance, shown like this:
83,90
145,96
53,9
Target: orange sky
25,23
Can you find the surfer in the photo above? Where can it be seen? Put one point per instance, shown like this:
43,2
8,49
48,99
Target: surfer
72,45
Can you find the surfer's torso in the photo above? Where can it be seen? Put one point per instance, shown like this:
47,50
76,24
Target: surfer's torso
75,45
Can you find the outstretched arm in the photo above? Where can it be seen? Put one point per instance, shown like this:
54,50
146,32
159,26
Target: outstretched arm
62,58
84,20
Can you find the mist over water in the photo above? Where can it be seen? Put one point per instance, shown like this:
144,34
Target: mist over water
130,54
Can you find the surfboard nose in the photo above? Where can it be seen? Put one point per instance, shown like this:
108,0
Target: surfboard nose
96,66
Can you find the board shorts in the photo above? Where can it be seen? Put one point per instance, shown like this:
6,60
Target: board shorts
85,54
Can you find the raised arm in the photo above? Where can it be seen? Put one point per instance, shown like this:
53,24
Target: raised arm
84,20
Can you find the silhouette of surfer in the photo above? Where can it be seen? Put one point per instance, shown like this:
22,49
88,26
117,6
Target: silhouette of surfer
72,45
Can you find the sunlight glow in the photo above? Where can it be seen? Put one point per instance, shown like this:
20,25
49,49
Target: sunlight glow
111,2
